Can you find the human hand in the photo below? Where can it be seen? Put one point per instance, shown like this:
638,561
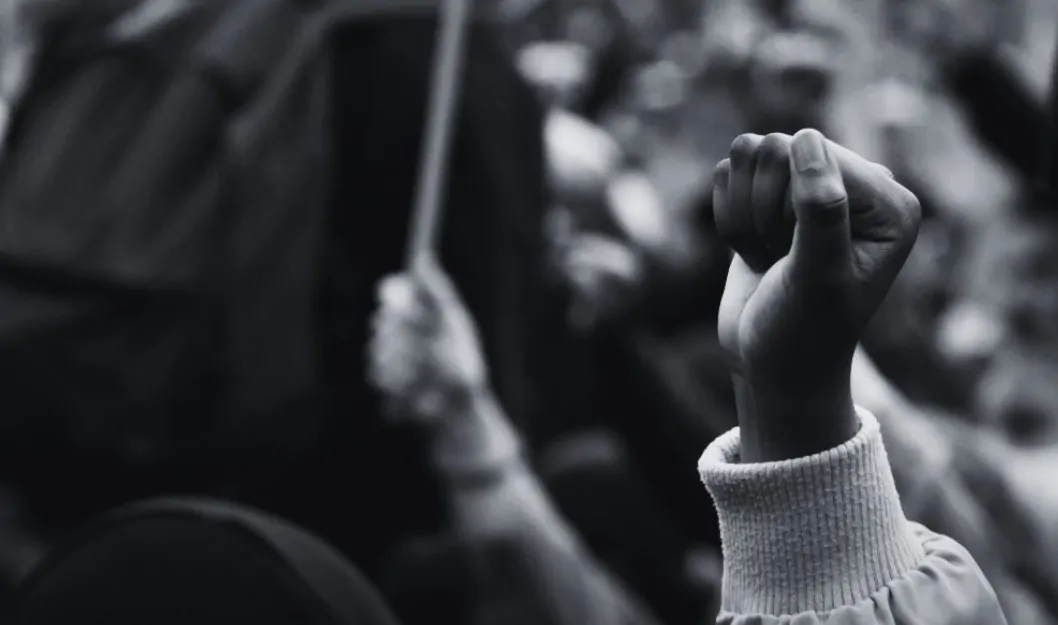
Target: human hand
819,234
424,353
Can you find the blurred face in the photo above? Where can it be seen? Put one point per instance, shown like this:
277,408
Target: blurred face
791,76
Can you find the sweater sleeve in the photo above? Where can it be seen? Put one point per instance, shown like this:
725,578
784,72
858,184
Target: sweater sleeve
824,539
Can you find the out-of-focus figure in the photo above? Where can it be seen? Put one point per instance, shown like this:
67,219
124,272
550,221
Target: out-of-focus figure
184,561
187,286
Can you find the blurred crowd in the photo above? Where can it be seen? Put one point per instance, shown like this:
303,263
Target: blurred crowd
951,96
578,230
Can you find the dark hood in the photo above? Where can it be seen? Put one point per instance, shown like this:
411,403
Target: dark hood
201,562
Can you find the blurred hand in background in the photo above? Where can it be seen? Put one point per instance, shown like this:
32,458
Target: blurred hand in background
424,355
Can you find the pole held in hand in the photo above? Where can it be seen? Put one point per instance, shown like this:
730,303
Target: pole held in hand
441,109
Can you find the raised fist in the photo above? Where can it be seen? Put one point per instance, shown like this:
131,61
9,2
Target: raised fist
819,235
424,354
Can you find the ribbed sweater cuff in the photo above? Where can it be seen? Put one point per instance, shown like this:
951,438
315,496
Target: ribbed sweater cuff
809,534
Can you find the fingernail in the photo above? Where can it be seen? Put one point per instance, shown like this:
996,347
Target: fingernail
808,153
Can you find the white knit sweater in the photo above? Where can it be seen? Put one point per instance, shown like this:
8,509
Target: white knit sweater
824,539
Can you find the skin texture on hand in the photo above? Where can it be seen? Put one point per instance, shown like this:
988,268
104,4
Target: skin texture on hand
819,235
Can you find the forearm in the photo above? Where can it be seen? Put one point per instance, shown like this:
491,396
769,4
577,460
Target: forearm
535,556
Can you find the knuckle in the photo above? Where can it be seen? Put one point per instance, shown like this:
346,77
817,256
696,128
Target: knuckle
744,148
823,192
721,174
774,149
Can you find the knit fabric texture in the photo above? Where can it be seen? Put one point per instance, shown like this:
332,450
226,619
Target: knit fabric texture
809,534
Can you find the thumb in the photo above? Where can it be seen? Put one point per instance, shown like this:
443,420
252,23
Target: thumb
822,240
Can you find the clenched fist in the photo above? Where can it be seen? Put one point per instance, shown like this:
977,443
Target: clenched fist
819,236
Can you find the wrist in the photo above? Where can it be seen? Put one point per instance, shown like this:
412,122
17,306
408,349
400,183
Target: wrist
781,423
475,437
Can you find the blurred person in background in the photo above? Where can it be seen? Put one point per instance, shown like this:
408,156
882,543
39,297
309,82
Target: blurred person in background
971,50
790,78
505,311
986,310
1009,285
972,47
306,454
